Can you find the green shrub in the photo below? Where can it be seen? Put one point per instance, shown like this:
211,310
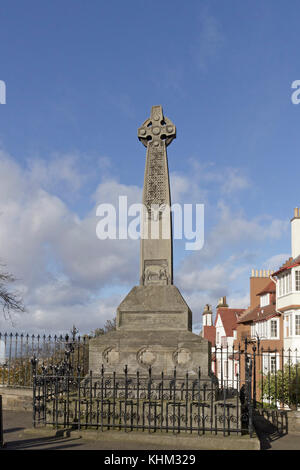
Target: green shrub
282,387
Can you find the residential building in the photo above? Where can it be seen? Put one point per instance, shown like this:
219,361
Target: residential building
222,335
287,280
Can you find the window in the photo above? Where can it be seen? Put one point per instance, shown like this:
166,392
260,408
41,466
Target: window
297,280
280,286
270,363
273,364
274,328
291,325
226,369
264,329
297,325
265,300
286,327
285,284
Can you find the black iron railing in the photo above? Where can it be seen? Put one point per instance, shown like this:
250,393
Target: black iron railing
16,351
275,373
189,404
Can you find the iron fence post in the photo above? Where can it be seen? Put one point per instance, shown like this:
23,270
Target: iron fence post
249,407
1,423
254,376
33,363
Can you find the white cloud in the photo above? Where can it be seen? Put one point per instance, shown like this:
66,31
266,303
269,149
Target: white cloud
61,264
239,300
276,261
61,317
225,180
209,41
234,181
58,169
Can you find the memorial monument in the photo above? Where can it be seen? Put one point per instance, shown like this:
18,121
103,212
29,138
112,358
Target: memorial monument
154,323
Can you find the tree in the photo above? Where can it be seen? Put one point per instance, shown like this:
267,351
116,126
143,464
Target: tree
10,300
110,325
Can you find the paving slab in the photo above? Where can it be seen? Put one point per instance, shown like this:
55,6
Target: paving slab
19,435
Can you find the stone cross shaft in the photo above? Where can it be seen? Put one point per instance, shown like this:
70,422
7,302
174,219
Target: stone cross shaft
156,264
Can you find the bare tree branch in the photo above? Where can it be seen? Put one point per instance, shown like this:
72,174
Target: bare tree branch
10,301
110,325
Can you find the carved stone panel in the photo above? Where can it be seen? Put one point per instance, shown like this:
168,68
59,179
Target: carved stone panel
110,356
145,357
156,272
156,180
182,356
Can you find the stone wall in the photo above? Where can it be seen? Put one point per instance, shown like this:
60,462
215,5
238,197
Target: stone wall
16,399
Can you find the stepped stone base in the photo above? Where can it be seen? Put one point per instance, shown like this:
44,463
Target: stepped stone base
153,329
163,351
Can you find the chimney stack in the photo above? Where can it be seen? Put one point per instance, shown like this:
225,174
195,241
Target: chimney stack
207,315
295,231
222,302
258,281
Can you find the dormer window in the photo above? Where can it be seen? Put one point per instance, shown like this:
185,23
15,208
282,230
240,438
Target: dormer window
265,300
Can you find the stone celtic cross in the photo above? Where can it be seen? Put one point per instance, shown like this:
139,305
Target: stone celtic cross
157,128
156,133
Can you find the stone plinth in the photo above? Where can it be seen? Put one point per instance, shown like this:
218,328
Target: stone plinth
163,351
154,308
153,329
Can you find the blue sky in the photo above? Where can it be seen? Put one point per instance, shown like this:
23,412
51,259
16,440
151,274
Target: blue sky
81,77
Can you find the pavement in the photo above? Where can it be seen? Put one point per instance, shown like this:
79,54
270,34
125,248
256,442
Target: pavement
271,439
17,436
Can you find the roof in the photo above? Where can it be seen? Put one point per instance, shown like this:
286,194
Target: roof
229,317
209,333
269,289
289,264
258,314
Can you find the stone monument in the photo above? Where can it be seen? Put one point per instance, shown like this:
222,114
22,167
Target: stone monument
154,323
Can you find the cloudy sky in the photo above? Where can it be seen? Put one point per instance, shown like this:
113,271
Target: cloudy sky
81,77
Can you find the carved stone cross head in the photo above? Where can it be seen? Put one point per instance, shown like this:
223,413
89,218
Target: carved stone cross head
157,128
